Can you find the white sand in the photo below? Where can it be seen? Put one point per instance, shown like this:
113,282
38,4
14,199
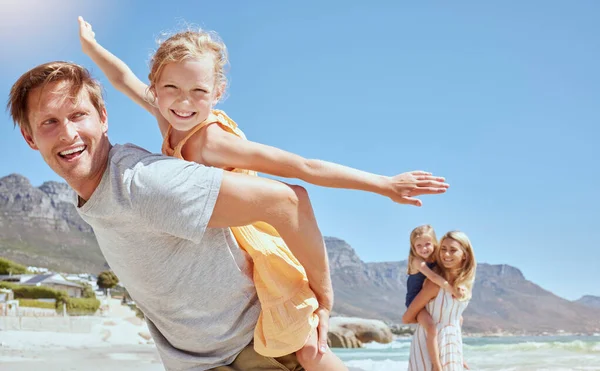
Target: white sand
114,343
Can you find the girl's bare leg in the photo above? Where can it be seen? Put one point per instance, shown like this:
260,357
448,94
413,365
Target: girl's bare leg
310,358
425,320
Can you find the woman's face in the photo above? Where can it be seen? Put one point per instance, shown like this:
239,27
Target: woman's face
451,254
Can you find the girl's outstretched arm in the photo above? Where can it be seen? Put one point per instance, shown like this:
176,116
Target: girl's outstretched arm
118,73
219,148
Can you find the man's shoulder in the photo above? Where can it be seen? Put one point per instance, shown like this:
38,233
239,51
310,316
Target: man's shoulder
128,153
139,169
128,159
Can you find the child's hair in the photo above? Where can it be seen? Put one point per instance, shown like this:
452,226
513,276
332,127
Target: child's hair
423,230
190,44
466,272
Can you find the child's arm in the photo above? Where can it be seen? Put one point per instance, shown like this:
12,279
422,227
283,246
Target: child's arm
219,148
428,292
437,279
118,73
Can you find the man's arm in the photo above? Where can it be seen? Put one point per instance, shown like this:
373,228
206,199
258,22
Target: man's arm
246,199
182,199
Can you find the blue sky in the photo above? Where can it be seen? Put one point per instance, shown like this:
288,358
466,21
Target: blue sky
502,99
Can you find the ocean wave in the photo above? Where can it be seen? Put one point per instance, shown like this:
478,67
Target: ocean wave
392,345
573,346
371,365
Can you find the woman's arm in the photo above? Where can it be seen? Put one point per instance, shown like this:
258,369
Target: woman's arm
428,292
118,73
219,148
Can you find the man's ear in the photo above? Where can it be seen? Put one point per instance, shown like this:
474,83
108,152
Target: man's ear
29,139
104,120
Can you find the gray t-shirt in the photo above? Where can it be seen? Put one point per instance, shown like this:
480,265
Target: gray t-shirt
194,284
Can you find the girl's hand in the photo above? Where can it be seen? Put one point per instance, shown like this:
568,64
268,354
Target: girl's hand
87,37
404,187
460,292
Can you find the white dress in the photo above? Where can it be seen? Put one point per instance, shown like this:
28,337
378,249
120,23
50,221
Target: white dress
446,312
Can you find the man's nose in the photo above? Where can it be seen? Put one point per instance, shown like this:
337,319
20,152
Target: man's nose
68,132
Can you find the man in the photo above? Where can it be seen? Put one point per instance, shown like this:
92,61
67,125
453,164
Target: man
161,224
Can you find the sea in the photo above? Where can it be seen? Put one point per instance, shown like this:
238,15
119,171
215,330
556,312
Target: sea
541,353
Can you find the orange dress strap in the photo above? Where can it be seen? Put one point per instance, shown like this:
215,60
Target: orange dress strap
176,151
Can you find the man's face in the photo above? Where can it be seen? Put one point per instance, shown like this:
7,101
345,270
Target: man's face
71,136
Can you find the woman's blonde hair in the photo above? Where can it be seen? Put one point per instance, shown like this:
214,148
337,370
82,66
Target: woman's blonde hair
420,231
191,44
466,272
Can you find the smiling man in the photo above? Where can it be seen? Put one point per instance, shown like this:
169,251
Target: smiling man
162,224
66,122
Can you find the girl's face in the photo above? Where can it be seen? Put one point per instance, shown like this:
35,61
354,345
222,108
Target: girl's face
186,92
424,246
451,254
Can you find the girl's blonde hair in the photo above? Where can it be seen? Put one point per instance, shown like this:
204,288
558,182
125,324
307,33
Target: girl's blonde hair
191,44
466,271
420,231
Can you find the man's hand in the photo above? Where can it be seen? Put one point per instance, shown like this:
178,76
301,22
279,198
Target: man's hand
404,187
87,37
323,329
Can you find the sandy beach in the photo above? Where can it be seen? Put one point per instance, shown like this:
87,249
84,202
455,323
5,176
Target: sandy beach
114,343
51,351
91,359
119,341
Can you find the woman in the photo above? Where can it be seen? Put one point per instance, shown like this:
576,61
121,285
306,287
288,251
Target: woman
456,263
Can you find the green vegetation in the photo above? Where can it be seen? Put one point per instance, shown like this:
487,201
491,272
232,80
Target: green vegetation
10,267
32,303
107,280
88,291
37,292
27,296
82,307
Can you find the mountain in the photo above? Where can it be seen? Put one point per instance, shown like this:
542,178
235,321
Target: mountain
503,299
39,226
589,301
